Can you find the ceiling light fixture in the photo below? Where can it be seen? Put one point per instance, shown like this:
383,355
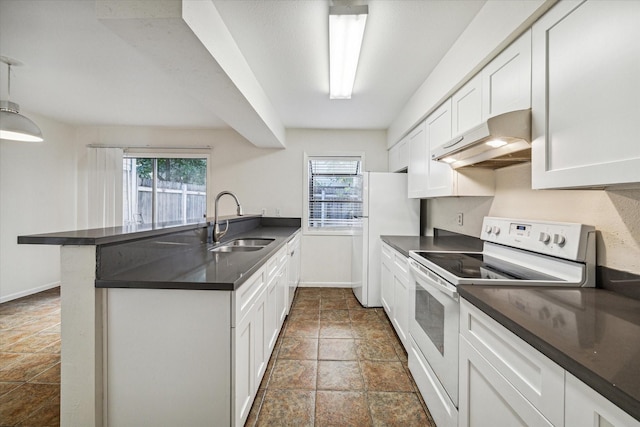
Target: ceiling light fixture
13,125
346,30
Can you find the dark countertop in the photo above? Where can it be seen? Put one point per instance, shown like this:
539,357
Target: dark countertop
592,333
175,256
446,243
194,266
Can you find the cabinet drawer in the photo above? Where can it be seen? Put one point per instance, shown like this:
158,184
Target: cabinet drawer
246,295
275,262
387,253
401,265
532,374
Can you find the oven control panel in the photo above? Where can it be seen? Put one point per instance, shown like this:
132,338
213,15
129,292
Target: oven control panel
561,239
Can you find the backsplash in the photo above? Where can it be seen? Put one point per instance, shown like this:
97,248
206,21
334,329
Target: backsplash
615,214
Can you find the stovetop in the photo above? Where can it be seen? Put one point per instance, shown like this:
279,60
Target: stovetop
481,266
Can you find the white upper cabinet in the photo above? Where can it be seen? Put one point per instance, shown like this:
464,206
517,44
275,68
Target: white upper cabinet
438,130
418,162
466,105
506,80
399,156
586,95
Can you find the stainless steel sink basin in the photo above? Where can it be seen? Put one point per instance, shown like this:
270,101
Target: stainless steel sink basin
250,242
233,248
242,245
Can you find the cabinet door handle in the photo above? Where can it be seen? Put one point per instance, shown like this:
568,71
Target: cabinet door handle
452,143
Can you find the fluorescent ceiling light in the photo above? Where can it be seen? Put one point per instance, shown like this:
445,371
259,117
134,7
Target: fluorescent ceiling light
346,29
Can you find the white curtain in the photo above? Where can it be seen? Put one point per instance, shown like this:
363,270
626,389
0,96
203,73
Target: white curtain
104,187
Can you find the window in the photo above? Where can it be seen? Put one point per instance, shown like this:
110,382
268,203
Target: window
158,190
334,196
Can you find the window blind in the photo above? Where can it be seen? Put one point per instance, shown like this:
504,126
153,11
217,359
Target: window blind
335,191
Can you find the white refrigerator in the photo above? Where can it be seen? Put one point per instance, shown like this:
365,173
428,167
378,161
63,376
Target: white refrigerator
386,211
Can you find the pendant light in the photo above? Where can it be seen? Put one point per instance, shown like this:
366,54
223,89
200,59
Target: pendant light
13,125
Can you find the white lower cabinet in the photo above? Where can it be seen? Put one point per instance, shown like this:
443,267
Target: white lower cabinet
395,282
504,381
498,367
386,280
584,407
487,398
192,357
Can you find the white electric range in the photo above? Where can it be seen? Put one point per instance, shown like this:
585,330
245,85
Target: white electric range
516,253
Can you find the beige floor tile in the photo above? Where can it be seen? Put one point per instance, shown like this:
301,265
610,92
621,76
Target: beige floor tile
294,374
385,376
287,408
397,409
381,350
335,316
299,348
342,408
337,349
329,329
339,375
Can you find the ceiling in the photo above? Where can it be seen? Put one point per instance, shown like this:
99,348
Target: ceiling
77,70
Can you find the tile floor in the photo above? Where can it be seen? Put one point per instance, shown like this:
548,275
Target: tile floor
30,360
337,364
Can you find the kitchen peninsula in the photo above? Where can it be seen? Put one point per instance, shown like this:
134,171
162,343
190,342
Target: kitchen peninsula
161,327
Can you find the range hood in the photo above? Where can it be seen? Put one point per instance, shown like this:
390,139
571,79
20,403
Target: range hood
502,140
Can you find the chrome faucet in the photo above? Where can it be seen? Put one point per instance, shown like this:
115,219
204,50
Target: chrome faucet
217,234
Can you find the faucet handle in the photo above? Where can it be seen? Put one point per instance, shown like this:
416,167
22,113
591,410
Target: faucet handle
217,233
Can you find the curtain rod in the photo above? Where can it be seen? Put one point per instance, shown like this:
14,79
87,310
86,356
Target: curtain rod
149,147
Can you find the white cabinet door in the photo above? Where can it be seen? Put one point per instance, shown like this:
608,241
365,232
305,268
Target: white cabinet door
293,268
243,369
534,376
399,156
584,407
386,280
419,157
271,315
487,398
586,95
506,80
401,308
438,130
263,328
466,106
282,297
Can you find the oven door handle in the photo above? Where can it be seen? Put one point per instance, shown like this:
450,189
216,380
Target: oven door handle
418,271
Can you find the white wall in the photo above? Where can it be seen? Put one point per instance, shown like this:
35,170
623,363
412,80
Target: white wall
37,195
615,214
270,179
273,179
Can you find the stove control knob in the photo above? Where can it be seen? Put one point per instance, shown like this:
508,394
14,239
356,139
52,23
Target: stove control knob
488,229
545,238
559,239
496,230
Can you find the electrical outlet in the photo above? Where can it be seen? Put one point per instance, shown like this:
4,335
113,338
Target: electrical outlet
277,212
459,218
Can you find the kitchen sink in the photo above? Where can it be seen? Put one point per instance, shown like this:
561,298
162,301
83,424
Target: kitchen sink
250,242
242,245
232,248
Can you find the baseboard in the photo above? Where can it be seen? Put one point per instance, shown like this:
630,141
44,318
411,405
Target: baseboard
28,292
325,284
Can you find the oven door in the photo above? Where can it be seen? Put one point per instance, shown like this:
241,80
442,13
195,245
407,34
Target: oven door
434,324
